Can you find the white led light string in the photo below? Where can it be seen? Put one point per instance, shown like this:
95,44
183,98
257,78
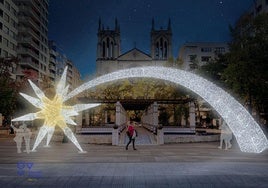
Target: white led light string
248,133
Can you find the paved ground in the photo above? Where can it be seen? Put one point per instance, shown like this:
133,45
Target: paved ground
173,165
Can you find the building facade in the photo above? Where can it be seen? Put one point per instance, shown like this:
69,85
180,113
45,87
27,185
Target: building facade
57,62
8,33
8,28
193,55
53,59
110,58
32,49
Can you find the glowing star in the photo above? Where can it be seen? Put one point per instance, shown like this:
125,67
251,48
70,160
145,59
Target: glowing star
248,133
54,112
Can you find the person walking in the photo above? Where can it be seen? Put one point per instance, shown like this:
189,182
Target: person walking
132,134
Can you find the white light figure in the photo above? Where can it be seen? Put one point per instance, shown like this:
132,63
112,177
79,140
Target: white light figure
248,133
54,112
226,136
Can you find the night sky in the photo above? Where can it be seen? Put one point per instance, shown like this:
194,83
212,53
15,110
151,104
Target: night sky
73,24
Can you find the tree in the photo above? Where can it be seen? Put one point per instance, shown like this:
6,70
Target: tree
214,69
247,70
9,88
194,63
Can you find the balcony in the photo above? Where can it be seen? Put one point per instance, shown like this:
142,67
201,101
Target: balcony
27,10
52,75
52,52
35,4
28,40
35,15
28,19
52,60
52,67
27,62
28,31
28,52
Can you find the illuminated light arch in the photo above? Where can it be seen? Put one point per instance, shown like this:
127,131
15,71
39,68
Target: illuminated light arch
248,133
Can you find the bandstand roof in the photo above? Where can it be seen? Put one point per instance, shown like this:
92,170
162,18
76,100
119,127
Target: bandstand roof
136,104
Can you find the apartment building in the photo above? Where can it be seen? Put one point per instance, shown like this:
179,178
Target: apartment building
32,50
8,33
57,62
193,54
76,79
8,28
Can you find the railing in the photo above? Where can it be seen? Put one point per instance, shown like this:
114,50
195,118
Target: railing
30,41
34,3
29,31
28,51
121,128
149,127
52,67
178,130
95,130
28,19
29,62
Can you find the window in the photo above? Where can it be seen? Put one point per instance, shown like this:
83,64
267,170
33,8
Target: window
5,53
192,57
5,29
7,5
219,50
14,12
2,1
1,12
12,46
12,34
6,17
13,23
206,49
1,26
205,58
5,41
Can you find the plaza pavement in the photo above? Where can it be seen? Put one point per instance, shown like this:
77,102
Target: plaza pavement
173,165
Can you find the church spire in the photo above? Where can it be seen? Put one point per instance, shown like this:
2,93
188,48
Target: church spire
152,24
99,24
169,25
115,24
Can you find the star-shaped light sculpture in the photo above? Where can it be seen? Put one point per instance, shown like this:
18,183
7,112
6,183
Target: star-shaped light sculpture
54,112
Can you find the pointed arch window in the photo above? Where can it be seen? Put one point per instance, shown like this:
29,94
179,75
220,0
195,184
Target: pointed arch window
112,50
103,49
108,48
161,48
157,50
165,49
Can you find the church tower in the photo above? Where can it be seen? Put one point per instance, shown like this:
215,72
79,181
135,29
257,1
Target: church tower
161,42
108,47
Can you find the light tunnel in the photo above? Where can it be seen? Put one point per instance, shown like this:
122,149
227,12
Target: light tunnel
246,130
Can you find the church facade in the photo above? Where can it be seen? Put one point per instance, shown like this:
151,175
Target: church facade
109,57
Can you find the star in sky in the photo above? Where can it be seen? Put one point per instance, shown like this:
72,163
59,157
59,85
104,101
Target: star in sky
54,112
